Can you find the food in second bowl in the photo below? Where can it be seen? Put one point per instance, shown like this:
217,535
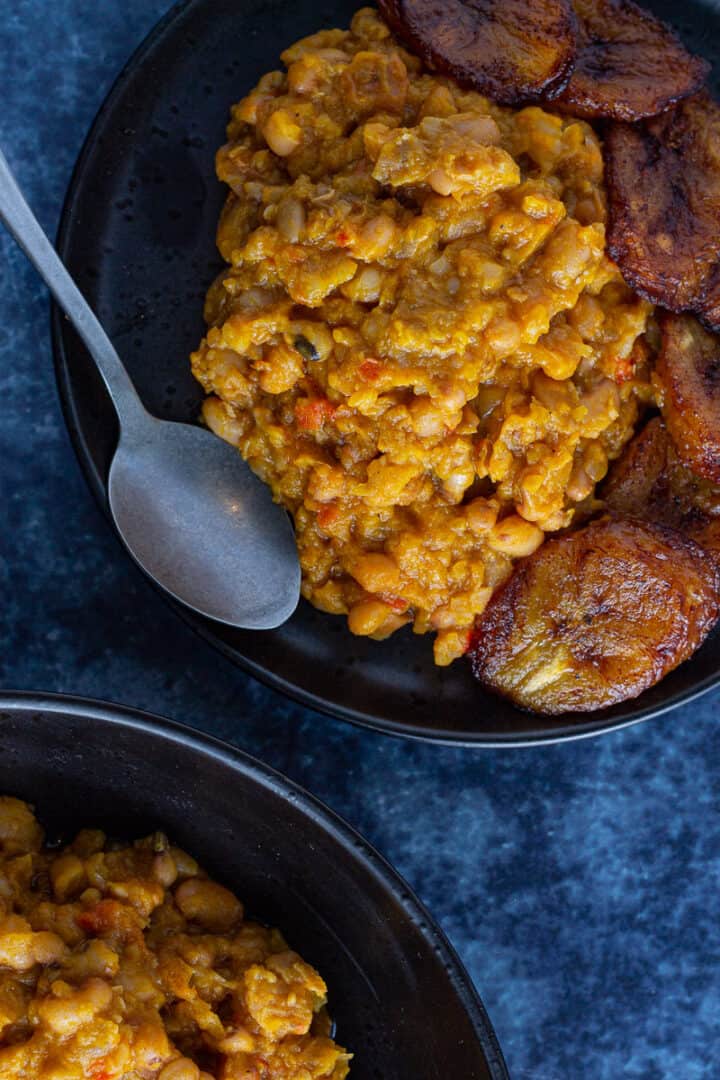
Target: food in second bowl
127,961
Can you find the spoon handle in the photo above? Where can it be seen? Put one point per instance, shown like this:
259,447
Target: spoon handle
25,228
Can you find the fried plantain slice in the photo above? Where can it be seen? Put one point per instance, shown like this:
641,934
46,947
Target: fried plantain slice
708,308
630,65
508,49
688,371
649,481
596,617
663,180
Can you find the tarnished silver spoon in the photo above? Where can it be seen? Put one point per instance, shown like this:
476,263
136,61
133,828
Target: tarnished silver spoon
189,510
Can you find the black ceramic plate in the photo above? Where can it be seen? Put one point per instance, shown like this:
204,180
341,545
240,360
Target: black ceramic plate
399,995
138,235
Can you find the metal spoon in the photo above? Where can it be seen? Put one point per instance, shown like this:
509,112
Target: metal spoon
188,509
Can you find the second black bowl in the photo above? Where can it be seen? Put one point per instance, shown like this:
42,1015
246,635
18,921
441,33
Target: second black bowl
401,1000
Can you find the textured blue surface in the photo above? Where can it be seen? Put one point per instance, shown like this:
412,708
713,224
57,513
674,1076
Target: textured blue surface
579,883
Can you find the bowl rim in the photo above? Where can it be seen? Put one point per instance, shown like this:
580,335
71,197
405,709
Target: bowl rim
372,862
549,730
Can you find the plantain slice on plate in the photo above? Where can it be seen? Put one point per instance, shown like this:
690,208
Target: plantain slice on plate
508,49
649,481
630,65
708,309
688,371
597,616
663,180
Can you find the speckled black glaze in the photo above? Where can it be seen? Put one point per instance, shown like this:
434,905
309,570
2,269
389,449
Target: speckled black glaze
577,882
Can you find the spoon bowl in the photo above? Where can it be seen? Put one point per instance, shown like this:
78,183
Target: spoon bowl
188,509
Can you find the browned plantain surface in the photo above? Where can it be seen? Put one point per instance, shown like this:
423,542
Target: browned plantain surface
688,371
650,482
630,65
663,180
508,49
708,309
596,617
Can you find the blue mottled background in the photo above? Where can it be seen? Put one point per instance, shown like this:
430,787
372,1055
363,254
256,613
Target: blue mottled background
579,883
